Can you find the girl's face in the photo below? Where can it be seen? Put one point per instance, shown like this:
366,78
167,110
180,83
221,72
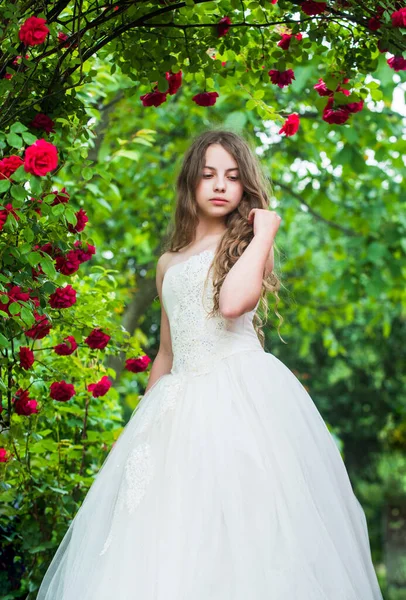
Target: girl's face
220,179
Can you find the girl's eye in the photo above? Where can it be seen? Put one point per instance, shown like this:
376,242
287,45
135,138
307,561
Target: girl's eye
208,175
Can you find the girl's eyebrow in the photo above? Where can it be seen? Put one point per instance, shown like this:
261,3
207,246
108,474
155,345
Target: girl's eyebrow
214,169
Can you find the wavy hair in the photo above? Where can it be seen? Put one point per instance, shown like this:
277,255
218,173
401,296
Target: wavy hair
239,230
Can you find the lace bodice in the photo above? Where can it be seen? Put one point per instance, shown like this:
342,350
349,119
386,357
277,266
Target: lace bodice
198,341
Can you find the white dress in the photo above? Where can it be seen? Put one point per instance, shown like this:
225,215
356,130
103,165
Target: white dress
224,485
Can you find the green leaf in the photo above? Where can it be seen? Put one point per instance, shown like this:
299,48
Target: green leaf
4,185
34,258
35,185
14,308
29,138
18,192
14,140
48,266
18,127
27,316
4,342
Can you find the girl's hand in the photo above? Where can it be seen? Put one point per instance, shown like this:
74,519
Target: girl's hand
266,222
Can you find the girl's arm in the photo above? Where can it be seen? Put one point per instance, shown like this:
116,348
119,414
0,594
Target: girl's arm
162,364
242,286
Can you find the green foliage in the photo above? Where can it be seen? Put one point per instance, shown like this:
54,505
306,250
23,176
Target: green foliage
339,189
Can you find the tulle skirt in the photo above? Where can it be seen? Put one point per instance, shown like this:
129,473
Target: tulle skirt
222,486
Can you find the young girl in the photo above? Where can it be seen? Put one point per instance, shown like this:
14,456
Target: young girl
226,483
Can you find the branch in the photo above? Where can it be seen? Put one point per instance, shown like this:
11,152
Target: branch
297,196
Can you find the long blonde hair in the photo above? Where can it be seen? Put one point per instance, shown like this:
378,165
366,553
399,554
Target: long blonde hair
239,231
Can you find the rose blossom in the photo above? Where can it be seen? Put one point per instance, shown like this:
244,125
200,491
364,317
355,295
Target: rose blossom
97,339
284,42
62,391
84,252
399,18
68,263
23,404
100,388
61,197
63,297
291,125
42,121
205,98
174,80
40,158
82,219
397,63
155,98
281,78
336,116
223,26
41,329
26,357
4,213
8,165
311,8
4,455
33,32
68,347
137,365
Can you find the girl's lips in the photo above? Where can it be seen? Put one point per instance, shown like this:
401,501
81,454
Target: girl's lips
218,201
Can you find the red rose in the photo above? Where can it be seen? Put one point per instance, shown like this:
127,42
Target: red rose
4,455
284,42
291,125
23,404
100,388
82,219
41,329
174,80
205,98
311,8
16,61
63,297
137,365
336,116
381,47
40,158
61,197
68,348
67,264
84,251
322,89
62,391
281,78
354,107
41,121
374,24
399,18
9,165
62,37
33,31
223,26
26,357
397,63
154,98
50,249
8,210
97,340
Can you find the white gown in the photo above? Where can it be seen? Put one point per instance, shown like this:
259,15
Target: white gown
224,485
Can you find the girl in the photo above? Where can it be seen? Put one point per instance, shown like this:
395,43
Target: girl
226,483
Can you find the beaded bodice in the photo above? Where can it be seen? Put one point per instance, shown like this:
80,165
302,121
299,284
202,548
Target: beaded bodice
199,341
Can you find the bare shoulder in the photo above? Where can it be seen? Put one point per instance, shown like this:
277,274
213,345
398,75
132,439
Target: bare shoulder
162,264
